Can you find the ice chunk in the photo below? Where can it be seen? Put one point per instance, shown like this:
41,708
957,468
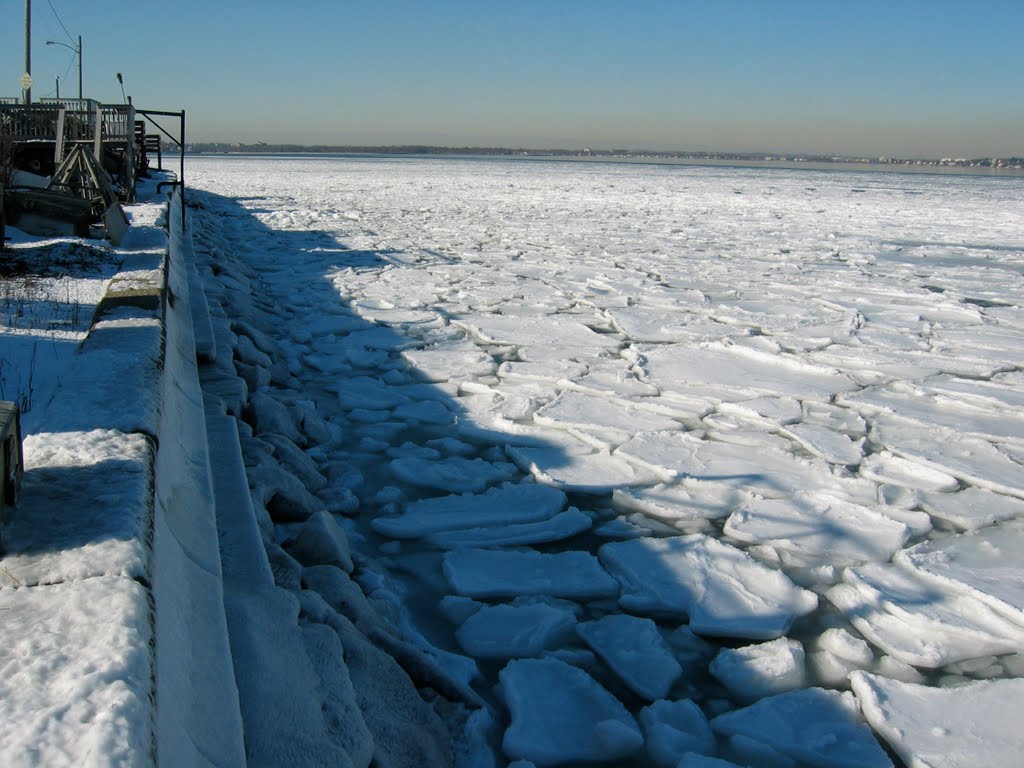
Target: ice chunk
818,524
815,726
674,727
884,467
514,631
677,455
366,392
451,361
989,563
976,462
595,473
971,725
562,526
542,338
674,503
695,760
921,622
560,714
745,371
573,409
507,505
756,671
944,411
549,370
499,573
454,474
772,410
722,590
844,645
834,447
635,651
972,508
322,541
424,412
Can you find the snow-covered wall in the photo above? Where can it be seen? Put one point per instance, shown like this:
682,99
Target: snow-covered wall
198,715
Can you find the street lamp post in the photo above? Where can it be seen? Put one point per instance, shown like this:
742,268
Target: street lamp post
78,50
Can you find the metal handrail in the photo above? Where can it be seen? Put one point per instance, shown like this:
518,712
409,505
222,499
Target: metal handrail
179,141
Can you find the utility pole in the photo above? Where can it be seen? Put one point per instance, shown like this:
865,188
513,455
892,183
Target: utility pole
26,79
79,67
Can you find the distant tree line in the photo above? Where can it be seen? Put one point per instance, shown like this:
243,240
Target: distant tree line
1014,163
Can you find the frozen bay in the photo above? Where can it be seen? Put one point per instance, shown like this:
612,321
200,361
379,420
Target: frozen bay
786,400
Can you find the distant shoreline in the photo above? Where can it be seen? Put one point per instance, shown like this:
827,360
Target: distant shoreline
1007,167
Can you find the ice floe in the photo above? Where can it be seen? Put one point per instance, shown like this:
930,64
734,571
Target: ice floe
636,652
962,727
820,525
500,573
814,726
719,588
560,714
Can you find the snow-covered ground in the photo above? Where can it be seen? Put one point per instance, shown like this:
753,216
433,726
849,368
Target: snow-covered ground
671,452
650,465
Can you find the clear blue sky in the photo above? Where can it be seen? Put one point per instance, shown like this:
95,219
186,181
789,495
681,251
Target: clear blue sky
901,77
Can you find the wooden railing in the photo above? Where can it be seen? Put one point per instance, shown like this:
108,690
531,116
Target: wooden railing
70,122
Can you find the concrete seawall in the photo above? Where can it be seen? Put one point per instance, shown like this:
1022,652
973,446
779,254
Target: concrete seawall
149,615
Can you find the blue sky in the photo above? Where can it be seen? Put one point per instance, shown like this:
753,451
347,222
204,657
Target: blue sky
901,77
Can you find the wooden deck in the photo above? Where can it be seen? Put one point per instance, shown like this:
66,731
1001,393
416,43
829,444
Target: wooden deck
45,132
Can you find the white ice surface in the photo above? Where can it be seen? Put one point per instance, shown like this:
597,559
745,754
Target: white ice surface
674,727
498,573
507,505
961,727
750,307
922,621
815,726
988,563
820,525
756,671
514,631
722,590
636,652
560,714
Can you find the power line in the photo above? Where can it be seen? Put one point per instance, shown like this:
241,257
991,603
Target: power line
57,16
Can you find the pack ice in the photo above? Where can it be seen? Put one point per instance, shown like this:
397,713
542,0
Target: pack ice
703,466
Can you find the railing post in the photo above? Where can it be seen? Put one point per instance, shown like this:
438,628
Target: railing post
98,134
58,143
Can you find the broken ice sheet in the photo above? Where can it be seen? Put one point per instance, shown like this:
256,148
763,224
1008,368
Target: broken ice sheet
560,714
636,652
919,620
815,726
988,563
505,505
595,473
482,573
677,504
962,727
515,631
675,455
454,474
564,525
972,508
976,462
739,374
755,671
722,590
818,524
